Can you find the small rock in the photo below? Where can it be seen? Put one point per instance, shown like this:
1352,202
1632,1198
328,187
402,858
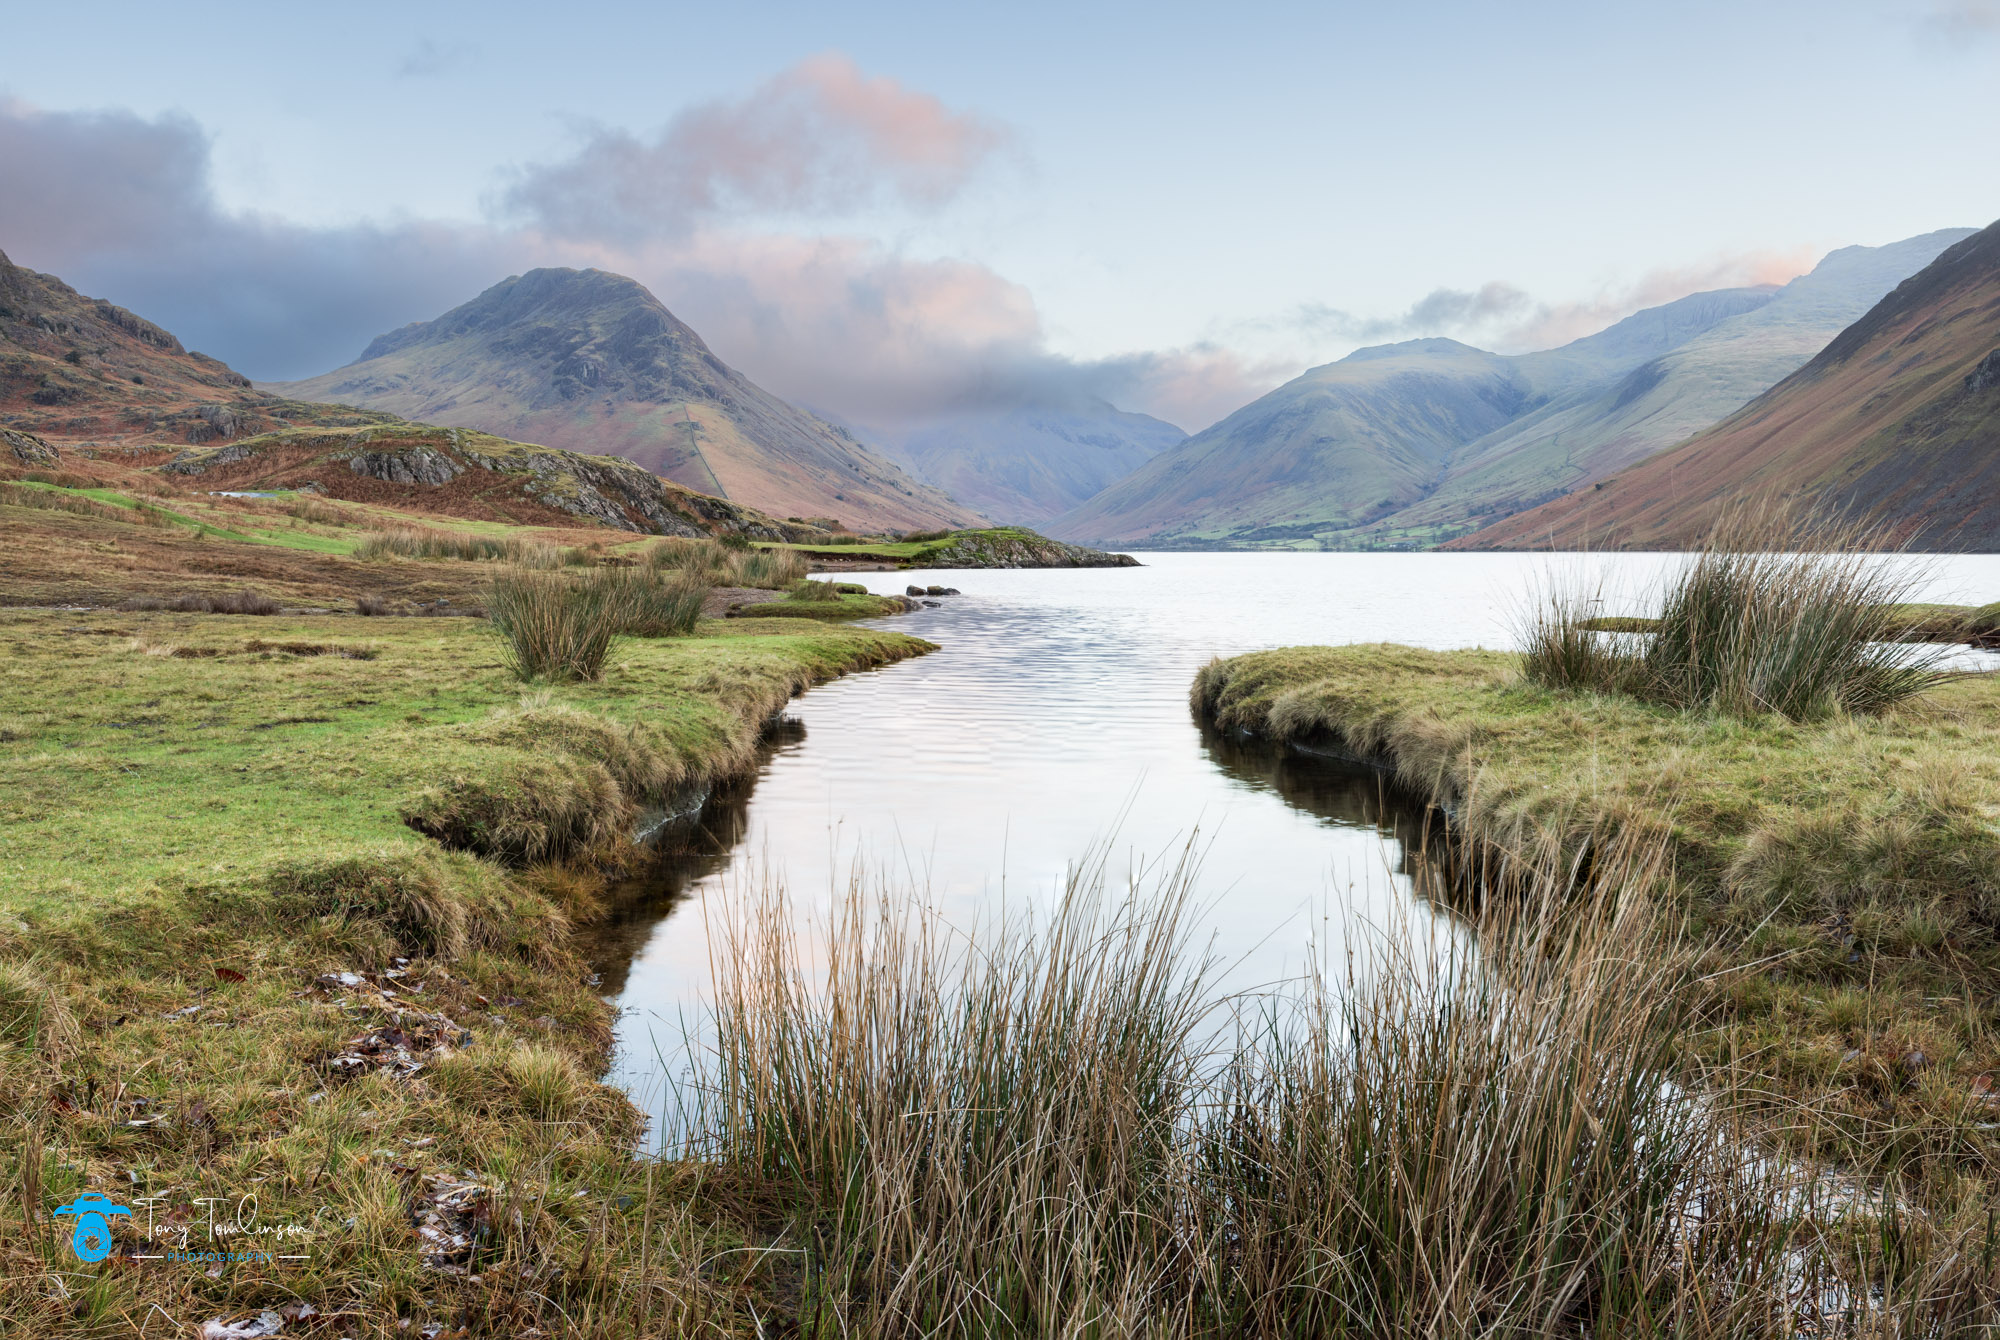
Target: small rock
934,591
931,604
913,591
1914,1062
951,590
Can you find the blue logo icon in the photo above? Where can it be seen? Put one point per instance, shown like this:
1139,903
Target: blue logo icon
91,1239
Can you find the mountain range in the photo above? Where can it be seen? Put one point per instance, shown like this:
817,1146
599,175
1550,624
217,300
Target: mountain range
1414,443
593,362
1897,418
1027,463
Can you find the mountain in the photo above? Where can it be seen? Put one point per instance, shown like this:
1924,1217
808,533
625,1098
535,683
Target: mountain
1898,417
1028,464
593,362
1414,443
1598,430
83,369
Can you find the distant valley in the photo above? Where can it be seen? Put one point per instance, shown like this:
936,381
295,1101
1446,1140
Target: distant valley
1415,444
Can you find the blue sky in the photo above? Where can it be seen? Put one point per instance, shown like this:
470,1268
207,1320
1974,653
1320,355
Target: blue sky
1174,205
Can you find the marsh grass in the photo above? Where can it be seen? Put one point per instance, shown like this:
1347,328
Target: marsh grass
1776,612
228,602
722,564
815,591
420,542
1061,1128
560,626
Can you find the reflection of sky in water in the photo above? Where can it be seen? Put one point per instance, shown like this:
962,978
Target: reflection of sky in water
1053,722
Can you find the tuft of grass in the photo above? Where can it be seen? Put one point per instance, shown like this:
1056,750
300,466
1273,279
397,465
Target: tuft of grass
232,602
721,563
418,542
560,626
1057,1128
1774,613
813,591
371,607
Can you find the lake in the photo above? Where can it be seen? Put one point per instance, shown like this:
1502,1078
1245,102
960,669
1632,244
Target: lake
1052,724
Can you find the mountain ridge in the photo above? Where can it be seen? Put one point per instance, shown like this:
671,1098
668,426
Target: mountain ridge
591,361
1897,417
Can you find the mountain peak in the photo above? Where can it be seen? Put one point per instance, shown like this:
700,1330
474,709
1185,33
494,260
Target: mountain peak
592,361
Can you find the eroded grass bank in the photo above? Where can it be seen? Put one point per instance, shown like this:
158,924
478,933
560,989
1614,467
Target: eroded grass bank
1854,862
236,979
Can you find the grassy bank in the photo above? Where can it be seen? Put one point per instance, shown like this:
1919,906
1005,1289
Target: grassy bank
283,914
1855,861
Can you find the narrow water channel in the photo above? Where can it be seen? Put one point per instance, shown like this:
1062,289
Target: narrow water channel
1053,723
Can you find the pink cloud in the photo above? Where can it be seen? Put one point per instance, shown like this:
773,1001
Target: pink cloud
818,138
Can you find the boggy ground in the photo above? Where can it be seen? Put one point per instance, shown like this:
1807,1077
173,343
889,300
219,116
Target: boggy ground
1855,862
239,977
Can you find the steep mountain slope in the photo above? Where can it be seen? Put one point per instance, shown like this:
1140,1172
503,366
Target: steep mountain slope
1594,432
82,369
1031,463
1350,443
591,361
1311,463
1898,417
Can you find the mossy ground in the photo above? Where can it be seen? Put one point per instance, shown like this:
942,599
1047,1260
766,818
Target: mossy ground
201,819
1855,863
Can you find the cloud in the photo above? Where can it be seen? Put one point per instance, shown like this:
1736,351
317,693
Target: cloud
1500,316
1962,20
1435,313
820,138
122,207
1553,324
428,59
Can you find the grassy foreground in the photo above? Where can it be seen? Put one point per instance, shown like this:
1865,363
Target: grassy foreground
240,988
1855,862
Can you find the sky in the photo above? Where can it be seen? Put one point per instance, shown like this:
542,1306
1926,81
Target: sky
891,211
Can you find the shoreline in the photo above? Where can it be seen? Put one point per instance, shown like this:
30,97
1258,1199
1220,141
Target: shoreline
1828,853
264,981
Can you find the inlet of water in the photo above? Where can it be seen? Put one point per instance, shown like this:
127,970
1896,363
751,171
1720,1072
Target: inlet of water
1054,719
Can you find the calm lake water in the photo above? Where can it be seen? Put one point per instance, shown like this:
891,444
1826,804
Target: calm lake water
1053,722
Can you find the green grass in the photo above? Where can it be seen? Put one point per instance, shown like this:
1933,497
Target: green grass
1857,858
191,813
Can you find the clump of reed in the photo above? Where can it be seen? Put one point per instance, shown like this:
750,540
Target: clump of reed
228,602
814,592
560,626
1775,612
421,542
720,563
1060,1129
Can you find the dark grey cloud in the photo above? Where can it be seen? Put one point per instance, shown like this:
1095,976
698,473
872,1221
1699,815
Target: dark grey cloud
123,207
819,138
1436,313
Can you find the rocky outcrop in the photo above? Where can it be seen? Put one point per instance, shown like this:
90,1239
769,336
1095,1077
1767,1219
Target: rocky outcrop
26,448
1016,549
1986,375
410,465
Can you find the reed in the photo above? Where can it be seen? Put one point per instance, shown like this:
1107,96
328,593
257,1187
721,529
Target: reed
1061,1129
1776,612
723,564
560,626
421,542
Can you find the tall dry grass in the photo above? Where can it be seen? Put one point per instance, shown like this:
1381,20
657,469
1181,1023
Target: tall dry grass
421,542
1777,611
723,565
561,626
1061,1129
